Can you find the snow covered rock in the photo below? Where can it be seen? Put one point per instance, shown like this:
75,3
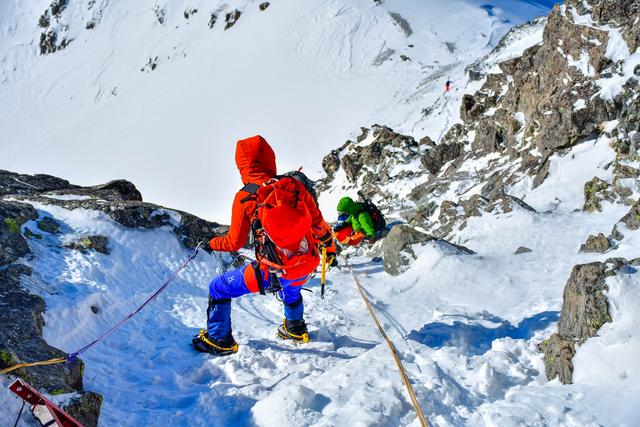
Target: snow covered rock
119,199
596,244
585,309
86,243
376,162
453,216
85,407
400,245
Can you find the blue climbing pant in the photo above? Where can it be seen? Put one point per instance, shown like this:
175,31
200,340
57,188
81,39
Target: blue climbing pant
241,281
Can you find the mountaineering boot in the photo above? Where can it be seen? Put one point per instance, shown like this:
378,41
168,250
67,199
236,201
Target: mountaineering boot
295,330
204,344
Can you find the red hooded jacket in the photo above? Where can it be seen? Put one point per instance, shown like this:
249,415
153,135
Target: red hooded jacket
256,162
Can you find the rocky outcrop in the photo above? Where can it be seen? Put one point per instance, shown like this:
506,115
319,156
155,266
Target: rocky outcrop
585,308
398,248
453,216
596,244
21,337
12,244
631,221
522,250
87,243
85,407
118,199
377,158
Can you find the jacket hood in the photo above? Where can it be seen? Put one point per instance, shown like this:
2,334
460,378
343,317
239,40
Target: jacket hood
347,205
256,160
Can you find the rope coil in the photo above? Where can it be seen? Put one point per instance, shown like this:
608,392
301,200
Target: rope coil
394,353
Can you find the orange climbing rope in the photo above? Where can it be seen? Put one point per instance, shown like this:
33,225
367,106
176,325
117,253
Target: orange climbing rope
394,353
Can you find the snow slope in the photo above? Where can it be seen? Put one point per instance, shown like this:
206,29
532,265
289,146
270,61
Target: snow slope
303,74
466,327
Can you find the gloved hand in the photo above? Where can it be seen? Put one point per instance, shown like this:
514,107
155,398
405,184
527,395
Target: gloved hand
326,240
332,260
206,247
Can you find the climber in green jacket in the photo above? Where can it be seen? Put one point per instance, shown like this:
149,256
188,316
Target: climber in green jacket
354,223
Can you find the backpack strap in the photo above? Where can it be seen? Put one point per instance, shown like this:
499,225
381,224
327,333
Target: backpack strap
252,189
259,279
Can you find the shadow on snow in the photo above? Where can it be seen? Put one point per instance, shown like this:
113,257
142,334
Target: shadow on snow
474,335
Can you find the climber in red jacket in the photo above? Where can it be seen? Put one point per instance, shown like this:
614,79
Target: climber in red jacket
287,226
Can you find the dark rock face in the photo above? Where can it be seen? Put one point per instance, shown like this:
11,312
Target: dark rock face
595,192
12,244
631,221
371,165
231,18
119,199
21,337
632,218
398,252
585,309
48,225
13,183
264,6
558,358
331,163
596,244
435,158
86,243
85,407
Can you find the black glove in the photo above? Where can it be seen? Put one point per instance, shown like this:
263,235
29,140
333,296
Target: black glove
332,260
205,246
326,240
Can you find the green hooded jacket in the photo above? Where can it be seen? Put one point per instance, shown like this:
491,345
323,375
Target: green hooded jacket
359,218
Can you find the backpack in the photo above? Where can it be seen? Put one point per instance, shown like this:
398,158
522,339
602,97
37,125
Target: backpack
281,228
379,222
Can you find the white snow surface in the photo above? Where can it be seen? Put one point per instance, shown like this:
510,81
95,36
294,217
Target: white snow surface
304,74
466,327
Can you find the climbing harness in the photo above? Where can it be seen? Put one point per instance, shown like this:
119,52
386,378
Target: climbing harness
394,353
72,357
